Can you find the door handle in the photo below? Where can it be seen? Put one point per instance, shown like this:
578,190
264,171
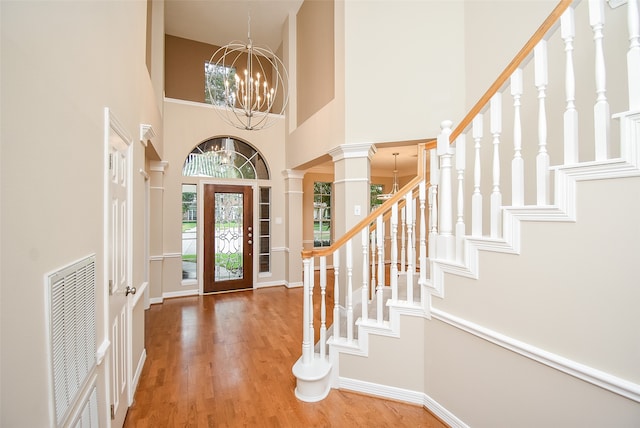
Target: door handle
130,290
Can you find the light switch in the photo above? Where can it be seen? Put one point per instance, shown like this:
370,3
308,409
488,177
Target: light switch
356,210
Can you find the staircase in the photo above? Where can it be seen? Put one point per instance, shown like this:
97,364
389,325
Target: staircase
512,165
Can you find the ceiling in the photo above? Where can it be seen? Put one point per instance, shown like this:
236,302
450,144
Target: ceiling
219,22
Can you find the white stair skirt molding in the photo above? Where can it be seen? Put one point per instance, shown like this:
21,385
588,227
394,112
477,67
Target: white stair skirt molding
313,379
586,373
404,395
628,165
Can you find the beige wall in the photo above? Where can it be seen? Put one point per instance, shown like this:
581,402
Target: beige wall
52,167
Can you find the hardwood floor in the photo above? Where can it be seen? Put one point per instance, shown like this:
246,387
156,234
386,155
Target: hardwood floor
225,361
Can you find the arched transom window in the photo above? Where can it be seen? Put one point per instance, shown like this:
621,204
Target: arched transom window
225,157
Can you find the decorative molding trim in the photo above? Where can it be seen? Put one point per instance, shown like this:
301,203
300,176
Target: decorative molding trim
404,395
156,188
182,293
278,249
155,300
156,258
144,174
139,294
293,174
352,180
586,373
269,284
172,255
146,133
293,192
293,284
353,151
616,3
158,166
102,350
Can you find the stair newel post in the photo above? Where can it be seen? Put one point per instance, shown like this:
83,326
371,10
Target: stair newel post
446,249
496,194
365,273
307,313
336,294
568,33
374,255
434,178
633,56
380,286
312,330
601,114
461,158
542,158
403,237
410,262
422,281
517,164
476,198
349,262
393,278
323,305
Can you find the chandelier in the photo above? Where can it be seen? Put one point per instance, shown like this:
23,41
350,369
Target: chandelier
395,188
247,83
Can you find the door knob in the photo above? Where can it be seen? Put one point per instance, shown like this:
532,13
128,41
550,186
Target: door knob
130,290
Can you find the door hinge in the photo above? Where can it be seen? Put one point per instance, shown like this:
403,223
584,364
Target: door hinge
113,412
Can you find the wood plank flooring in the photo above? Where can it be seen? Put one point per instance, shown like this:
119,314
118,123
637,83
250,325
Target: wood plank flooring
225,361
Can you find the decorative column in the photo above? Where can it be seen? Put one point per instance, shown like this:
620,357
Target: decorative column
351,195
293,232
156,221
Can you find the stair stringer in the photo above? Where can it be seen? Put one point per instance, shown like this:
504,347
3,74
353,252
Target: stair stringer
564,209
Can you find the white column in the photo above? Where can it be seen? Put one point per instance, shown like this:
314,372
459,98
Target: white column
601,116
293,232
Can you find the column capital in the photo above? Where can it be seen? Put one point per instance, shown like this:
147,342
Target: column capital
352,151
158,166
293,174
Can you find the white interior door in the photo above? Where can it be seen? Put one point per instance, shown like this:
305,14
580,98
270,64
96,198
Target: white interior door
119,272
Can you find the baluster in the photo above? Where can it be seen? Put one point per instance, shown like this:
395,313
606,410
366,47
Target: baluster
307,313
633,56
461,158
542,159
433,193
349,292
312,332
568,32
410,267
517,164
601,109
323,307
445,236
365,274
476,198
496,195
336,294
394,252
403,250
374,255
423,243
414,216
379,289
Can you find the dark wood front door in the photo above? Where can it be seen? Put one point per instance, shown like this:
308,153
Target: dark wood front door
228,237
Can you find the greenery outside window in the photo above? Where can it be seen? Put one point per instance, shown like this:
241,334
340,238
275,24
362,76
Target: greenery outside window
376,190
321,214
214,84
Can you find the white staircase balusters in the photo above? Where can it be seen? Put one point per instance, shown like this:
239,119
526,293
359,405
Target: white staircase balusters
434,177
410,253
496,195
393,276
403,242
307,313
312,330
445,232
601,119
323,306
336,294
349,263
476,198
542,159
517,164
414,242
461,159
422,281
381,275
633,56
365,273
568,33
374,255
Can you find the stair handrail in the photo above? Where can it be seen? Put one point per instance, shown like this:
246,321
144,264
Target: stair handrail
421,174
502,80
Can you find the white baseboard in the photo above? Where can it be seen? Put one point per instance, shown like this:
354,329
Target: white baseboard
181,293
293,284
137,374
268,284
155,300
404,395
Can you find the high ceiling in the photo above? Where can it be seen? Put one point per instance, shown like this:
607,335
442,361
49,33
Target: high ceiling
219,22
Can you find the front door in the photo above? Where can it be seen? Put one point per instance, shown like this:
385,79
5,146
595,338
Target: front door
228,238
118,270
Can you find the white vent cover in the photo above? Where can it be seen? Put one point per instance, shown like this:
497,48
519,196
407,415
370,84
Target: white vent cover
73,332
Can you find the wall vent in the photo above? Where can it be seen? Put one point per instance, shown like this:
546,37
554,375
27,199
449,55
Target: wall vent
73,333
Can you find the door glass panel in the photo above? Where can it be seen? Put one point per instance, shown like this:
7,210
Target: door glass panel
228,236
